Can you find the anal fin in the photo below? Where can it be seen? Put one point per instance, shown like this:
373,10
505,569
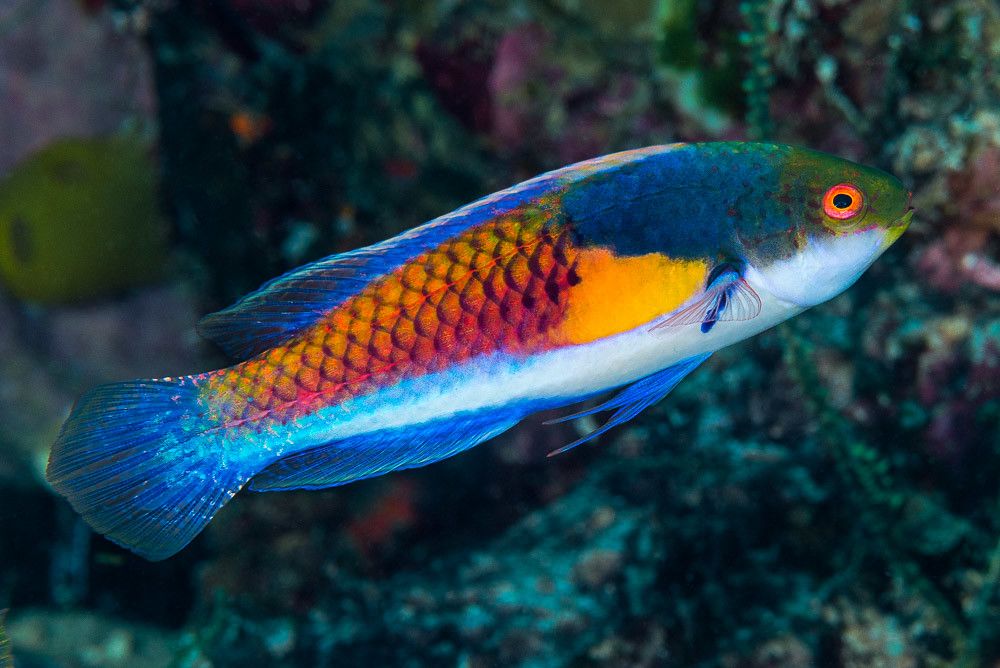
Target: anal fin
380,452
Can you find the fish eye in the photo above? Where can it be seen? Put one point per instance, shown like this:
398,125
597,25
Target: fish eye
843,201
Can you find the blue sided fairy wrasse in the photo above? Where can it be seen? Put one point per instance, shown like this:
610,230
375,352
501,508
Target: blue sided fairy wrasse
623,272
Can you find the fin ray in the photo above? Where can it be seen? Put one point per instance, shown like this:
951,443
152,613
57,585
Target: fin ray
728,298
133,461
289,303
634,399
373,454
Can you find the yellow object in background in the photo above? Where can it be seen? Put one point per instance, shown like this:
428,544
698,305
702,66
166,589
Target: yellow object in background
79,219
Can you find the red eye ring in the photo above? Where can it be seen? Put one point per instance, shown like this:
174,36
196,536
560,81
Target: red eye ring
843,201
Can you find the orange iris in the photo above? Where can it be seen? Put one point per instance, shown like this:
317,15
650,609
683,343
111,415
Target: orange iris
843,201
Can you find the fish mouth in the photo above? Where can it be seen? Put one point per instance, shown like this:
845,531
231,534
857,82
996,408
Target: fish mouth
904,220
897,227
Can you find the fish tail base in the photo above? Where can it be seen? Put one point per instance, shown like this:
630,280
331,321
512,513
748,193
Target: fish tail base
136,461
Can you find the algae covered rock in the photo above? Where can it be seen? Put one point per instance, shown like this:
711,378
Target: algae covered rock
79,219
46,637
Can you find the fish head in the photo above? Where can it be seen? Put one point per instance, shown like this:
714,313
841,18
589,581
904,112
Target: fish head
835,219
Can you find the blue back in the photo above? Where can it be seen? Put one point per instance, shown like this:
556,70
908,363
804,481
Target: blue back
688,201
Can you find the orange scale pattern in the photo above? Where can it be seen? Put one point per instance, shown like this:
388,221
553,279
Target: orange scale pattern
501,286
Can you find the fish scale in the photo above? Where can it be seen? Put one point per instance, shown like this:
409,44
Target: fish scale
496,287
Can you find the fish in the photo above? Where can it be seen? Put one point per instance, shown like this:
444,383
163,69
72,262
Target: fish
624,272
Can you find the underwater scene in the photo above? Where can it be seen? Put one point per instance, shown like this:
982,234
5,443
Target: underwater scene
713,288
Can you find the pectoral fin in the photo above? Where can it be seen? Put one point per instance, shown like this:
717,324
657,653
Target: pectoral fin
728,298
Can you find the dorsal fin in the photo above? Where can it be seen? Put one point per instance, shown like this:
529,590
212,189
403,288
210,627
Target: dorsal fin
290,303
286,305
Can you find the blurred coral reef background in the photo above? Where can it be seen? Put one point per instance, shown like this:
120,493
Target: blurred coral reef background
824,494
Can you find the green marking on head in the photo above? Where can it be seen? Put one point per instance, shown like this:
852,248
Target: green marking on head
839,197
841,217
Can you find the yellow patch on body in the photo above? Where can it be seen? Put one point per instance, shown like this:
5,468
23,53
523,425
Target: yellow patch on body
616,294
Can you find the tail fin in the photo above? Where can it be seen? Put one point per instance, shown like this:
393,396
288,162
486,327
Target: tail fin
135,460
